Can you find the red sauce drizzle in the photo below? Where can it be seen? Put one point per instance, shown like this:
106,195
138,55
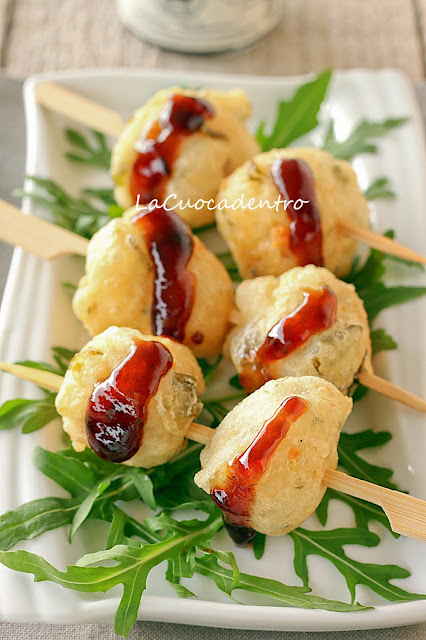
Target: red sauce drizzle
295,181
181,116
235,497
316,313
170,244
118,407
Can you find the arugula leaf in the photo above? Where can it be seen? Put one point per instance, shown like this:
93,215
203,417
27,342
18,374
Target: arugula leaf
329,544
77,472
259,542
351,443
144,486
30,415
132,566
364,512
378,297
73,475
297,116
91,150
368,281
209,368
174,580
183,493
209,566
87,504
360,139
15,412
80,214
381,341
379,188
349,446
116,530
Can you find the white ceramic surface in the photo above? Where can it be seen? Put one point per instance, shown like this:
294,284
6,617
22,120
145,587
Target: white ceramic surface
36,314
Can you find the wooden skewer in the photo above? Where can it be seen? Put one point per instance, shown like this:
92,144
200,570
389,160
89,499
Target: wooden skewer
78,108
407,515
107,121
390,390
37,236
381,243
44,379
48,241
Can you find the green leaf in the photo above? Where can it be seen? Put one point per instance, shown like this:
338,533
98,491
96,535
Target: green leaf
209,368
368,281
83,215
93,152
348,448
116,530
227,557
14,412
86,506
364,512
44,413
378,297
329,544
259,545
174,580
34,518
183,493
360,139
131,568
297,116
351,443
379,188
74,476
144,486
209,566
382,341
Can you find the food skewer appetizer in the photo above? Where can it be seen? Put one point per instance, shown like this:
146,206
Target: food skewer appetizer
145,270
305,322
218,146
319,199
106,295
266,466
179,146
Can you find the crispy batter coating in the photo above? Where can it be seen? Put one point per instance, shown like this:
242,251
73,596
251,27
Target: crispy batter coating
205,157
118,288
170,411
290,488
335,354
258,239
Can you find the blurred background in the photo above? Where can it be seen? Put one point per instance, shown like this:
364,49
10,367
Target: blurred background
45,35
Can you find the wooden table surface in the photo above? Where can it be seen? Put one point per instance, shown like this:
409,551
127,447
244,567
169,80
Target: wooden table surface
44,35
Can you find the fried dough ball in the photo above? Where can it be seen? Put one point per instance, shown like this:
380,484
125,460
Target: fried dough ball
259,238
289,488
335,354
203,158
118,288
170,411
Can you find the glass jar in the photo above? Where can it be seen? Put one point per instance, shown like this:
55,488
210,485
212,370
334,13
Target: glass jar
200,26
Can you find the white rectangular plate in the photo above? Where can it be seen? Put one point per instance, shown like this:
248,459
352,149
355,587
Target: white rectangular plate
36,313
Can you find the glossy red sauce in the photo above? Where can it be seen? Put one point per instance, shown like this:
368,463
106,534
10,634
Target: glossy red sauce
170,244
294,180
118,407
316,313
235,497
181,116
